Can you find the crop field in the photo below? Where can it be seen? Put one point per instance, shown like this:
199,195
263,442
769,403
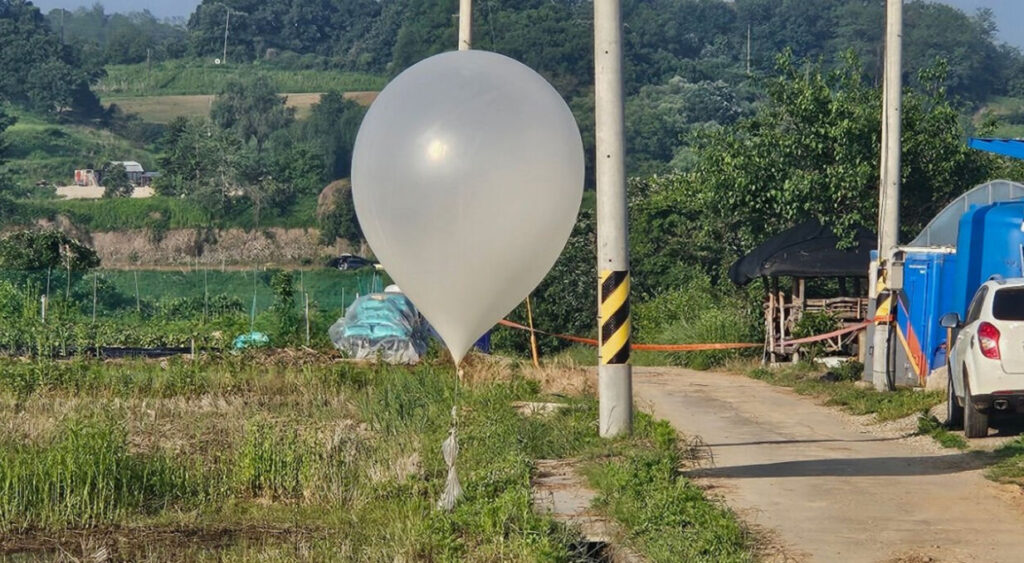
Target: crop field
173,308
329,289
196,77
298,455
164,108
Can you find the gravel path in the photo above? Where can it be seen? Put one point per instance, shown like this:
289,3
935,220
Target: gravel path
825,486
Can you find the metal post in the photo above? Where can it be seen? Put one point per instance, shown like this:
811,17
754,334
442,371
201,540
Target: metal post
465,25
227,24
615,378
889,185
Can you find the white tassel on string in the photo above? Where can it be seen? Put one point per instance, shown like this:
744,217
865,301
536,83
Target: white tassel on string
450,450
452,487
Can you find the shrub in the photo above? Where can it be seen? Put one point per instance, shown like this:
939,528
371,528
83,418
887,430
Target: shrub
699,313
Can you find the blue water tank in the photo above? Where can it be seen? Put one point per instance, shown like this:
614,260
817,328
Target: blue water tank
990,242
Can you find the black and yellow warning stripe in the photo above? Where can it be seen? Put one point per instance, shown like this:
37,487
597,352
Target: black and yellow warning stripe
613,316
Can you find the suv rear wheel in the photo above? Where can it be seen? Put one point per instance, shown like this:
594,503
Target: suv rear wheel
975,421
954,411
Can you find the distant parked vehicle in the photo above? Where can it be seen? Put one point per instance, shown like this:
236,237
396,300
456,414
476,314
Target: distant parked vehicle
349,262
986,361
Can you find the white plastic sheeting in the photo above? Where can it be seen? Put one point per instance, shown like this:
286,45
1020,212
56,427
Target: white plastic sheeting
381,326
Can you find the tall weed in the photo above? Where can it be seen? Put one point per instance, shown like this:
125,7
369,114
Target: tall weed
85,476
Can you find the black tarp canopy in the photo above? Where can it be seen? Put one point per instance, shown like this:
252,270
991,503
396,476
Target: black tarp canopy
808,250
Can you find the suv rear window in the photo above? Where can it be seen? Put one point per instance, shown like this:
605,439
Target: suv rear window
1008,304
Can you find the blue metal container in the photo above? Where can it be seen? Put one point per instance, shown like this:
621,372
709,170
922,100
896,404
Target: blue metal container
927,278
990,242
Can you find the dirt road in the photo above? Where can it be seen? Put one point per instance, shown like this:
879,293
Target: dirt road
823,487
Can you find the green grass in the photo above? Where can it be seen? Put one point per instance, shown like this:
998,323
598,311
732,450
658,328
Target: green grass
275,457
1010,465
48,152
184,77
666,516
1010,112
84,474
805,380
930,426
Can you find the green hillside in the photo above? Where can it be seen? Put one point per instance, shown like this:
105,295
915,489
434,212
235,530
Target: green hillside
44,151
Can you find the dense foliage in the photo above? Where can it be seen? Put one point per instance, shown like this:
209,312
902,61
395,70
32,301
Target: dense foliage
5,122
694,39
251,109
252,147
38,70
40,250
118,38
115,180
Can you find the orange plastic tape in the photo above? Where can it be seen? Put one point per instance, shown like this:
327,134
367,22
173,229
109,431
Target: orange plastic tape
695,347
650,347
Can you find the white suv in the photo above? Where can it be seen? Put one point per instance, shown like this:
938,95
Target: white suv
986,363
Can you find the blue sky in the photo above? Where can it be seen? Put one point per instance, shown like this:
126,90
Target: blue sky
1009,13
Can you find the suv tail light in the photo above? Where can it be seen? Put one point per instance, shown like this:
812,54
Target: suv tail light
988,339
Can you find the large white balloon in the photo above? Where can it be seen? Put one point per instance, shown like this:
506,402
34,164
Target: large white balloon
467,176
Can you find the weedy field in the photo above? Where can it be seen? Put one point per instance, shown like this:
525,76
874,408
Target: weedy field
162,109
289,455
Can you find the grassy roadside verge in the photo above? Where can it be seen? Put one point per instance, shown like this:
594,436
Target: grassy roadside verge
666,516
299,457
839,388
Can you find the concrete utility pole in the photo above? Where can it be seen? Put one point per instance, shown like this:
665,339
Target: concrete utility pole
227,24
615,378
748,49
889,186
465,25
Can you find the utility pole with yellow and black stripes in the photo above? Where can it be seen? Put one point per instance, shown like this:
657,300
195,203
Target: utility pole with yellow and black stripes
615,378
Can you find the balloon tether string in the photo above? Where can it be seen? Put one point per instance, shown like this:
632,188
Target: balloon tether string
450,451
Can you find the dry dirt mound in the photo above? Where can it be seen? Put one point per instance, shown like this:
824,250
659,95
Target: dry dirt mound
213,248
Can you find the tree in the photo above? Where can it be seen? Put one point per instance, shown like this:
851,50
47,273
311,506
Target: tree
6,121
115,180
39,250
265,192
251,109
336,214
811,150
332,126
37,70
202,162
660,118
